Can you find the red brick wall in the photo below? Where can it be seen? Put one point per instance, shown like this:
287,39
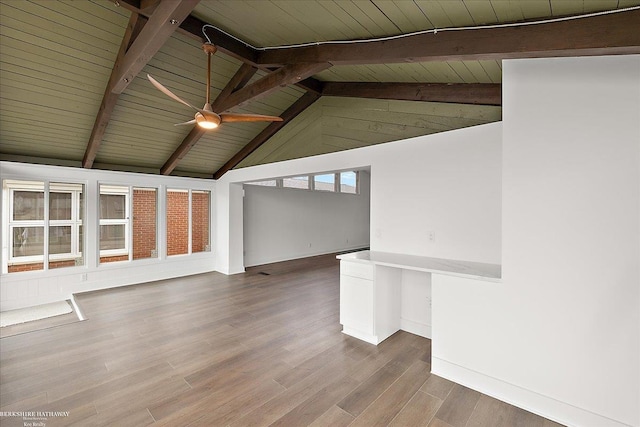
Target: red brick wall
115,258
199,221
177,222
144,223
25,267
61,264
39,266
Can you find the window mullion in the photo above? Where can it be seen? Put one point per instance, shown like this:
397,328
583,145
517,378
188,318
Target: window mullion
45,252
190,223
128,227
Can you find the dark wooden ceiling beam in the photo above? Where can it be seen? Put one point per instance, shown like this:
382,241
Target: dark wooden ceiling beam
239,79
460,93
192,27
142,39
223,42
162,24
289,114
615,33
185,146
109,99
148,6
311,85
272,82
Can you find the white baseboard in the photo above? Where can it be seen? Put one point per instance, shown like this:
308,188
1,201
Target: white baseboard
290,257
528,400
371,339
415,328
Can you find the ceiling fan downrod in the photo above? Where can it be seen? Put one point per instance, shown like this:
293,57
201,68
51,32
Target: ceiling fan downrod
209,49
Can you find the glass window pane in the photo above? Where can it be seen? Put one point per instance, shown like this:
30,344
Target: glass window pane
28,241
270,183
81,209
59,240
112,237
144,223
61,248
177,222
200,221
349,182
325,182
60,206
114,223
296,182
112,206
28,205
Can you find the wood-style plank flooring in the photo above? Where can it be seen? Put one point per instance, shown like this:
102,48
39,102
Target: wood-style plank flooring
244,350
36,325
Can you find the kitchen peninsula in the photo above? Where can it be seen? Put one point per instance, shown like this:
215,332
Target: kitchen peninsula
381,293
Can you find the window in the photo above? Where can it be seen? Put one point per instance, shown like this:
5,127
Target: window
29,223
349,182
326,182
296,182
200,221
344,182
44,228
123,238
114,223
268,183
177,222
145,214
66,212
188,221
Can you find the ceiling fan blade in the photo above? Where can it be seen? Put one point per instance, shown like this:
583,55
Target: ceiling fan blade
190,122
169,93
234,117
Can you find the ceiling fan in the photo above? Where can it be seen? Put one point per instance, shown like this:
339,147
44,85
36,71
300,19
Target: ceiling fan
205,117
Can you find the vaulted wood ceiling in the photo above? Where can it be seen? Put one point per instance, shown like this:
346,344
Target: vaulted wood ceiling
73,87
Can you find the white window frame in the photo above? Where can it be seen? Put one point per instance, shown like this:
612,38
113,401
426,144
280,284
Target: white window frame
336,179
311,182
339,182
117,190
24,186
75,222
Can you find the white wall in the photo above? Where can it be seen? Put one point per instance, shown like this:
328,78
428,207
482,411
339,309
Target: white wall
561,335
39,287
285,223
229,229
448,183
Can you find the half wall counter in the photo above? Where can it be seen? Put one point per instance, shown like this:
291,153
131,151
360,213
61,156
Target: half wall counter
382,293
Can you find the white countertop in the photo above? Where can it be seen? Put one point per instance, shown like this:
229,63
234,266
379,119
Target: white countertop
467,269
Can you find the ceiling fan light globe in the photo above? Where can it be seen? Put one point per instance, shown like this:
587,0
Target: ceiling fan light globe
207,122
207,125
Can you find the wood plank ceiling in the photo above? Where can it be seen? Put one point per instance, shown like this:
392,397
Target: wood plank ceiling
73,87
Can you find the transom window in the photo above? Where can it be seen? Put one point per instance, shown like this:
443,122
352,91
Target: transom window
346,182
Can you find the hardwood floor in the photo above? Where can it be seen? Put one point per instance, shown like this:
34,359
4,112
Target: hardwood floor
253,349
37,325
